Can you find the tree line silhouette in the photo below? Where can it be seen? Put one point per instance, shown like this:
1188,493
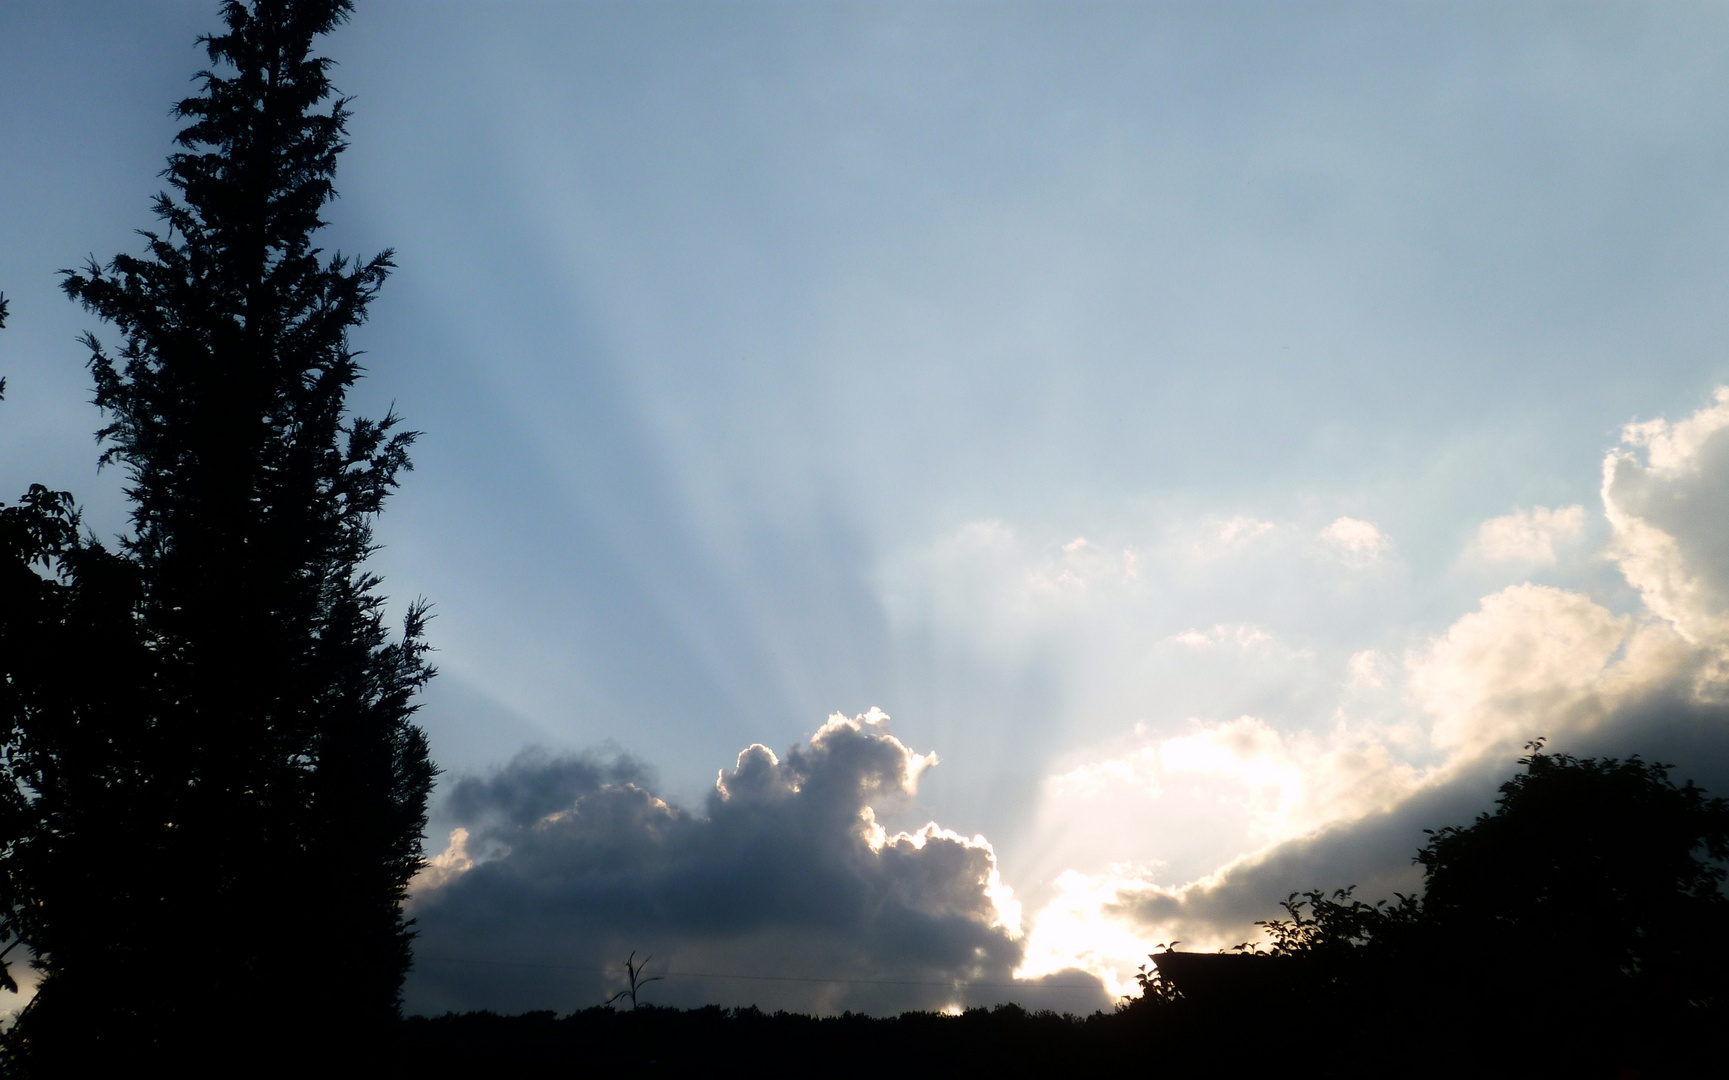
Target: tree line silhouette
214,791
1580,928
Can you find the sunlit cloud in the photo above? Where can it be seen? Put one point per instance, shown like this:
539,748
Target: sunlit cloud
1358,540
1288,785
1530,661
1530,657
1366,670
1241,635
1663,491
1242,529
1078,930
446,866
1528,536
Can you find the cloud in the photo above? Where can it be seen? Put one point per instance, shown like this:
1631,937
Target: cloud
1082,566
535,784
1242,529
445,867
1107,922
1241,635
1372,851
1359,540
1375,851
1664,491
1366,670
987,577
1528,536
786,890
1530,660
1198,798
1288,784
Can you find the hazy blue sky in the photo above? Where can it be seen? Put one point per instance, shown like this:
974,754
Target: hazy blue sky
1113,394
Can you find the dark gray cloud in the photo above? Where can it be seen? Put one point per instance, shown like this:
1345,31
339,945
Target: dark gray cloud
535,784
784,891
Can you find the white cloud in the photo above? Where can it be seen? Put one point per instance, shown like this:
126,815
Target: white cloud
1241,635
1678,448
1291,783
989,575
1531,660
1666,506
1079,929
1079,567
1196,799
1366,670
1242,529
445,867
1211,539
1528,536
1537,660
1359,539
1196,831
1282,785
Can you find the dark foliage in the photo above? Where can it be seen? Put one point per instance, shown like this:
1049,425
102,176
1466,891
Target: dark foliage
217,792
651,1041
1589,905
1579,929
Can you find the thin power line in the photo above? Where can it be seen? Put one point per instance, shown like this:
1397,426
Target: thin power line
772,978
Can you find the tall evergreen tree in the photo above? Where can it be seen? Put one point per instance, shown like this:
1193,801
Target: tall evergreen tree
220,801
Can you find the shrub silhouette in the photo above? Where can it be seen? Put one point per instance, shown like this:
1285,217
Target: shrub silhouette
1586,910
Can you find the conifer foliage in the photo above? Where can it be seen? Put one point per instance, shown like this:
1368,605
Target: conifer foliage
218,791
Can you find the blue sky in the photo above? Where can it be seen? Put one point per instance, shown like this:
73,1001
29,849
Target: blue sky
1068,381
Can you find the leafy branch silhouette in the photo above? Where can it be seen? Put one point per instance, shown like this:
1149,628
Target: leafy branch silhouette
633,973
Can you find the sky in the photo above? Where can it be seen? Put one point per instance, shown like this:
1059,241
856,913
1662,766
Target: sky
924,502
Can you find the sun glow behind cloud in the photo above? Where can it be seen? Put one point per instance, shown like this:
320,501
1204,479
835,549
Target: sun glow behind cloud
1531,660
1169,832
1190,829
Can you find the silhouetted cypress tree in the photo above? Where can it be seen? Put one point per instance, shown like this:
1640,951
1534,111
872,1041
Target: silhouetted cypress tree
220,801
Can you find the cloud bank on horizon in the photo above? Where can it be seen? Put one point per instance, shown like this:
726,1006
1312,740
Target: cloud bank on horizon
788,869
785,881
